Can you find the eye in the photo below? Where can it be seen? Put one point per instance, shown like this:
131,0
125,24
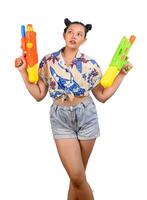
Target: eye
80,34
69,31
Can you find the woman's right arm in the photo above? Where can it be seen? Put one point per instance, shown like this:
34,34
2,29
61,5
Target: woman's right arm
37,90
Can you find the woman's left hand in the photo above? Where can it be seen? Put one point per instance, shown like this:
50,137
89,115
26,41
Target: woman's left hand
126,68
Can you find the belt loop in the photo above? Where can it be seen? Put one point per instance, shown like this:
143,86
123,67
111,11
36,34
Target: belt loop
86,101
56,107
83,105
71,108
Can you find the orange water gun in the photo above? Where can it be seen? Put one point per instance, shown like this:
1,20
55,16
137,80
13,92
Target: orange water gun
29,48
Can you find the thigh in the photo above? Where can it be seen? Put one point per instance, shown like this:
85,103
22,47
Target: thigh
86,147
71,158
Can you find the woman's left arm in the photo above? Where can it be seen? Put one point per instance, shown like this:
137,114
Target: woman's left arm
103,94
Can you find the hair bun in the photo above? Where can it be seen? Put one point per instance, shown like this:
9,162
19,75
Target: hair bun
67,21
88,27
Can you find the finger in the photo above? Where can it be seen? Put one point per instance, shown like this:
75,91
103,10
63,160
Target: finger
127,67
23,59
24,54
18,62
126,58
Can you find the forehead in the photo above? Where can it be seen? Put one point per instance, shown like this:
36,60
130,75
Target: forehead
77,27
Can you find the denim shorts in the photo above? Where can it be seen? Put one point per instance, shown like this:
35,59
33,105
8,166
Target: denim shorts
79,121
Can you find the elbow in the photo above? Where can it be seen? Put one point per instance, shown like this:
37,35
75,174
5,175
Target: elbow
38,99
102,99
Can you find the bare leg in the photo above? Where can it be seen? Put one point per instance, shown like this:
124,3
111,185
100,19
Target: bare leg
83,191
70,154
71,193
86,149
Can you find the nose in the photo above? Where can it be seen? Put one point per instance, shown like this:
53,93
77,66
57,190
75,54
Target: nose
74,35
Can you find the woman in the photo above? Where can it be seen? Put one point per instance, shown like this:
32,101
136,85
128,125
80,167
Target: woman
69,76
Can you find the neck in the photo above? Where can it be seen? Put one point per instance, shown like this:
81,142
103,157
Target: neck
69,52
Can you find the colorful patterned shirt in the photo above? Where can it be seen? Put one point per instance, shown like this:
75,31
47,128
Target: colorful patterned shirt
77,79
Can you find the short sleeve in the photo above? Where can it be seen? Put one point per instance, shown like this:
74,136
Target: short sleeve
96,74
43,71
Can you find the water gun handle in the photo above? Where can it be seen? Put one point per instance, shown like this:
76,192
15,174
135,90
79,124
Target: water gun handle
109,76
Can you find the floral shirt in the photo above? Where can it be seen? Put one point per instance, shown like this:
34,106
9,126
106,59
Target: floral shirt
77,79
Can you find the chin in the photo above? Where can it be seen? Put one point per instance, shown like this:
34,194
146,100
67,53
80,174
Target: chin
72,46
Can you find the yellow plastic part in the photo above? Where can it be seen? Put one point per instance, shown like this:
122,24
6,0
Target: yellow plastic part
109,76
29,45
33,73
29,27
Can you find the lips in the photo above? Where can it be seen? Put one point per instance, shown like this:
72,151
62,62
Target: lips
73,42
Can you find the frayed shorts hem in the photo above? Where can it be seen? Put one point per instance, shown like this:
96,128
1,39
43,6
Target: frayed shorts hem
75,137
88,138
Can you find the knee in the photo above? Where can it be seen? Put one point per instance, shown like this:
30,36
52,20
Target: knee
77,179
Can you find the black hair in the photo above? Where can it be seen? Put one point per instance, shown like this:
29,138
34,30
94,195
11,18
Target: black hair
67,22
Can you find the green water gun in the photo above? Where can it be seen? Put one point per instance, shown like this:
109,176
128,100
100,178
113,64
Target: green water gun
118,61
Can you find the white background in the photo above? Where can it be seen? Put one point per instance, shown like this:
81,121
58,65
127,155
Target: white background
30,168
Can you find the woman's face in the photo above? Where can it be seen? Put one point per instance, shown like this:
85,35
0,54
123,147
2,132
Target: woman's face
74,36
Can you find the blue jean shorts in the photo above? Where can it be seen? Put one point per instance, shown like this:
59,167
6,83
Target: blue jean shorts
79,121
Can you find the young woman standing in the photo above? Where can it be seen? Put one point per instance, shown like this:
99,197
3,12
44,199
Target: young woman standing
69,75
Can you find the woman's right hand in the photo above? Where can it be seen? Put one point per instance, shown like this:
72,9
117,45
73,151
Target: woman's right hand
37,90
20,63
